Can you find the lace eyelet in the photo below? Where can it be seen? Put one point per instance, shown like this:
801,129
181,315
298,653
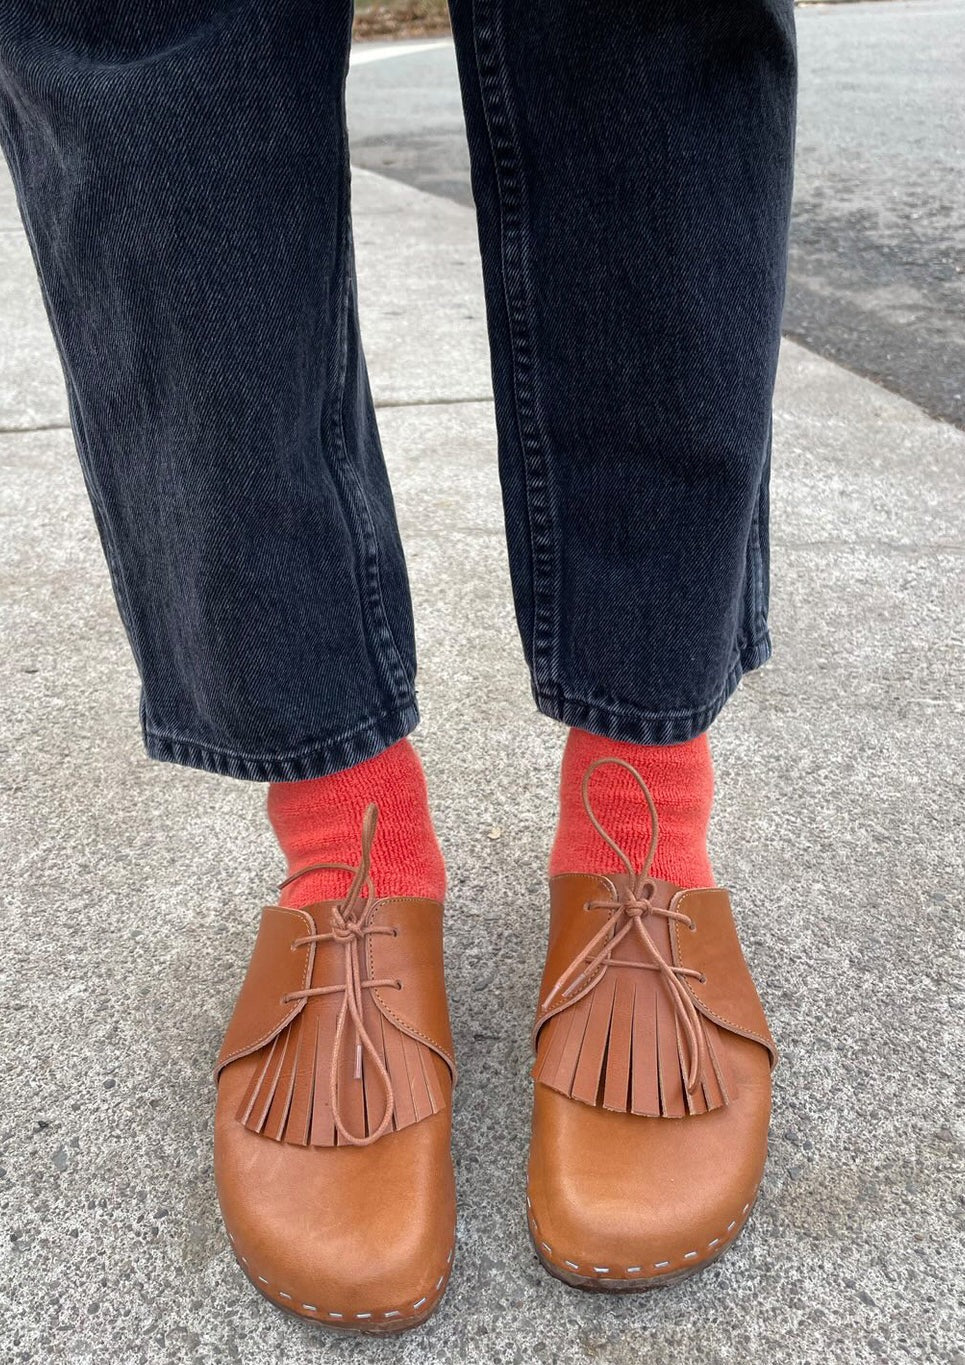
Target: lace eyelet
702,980
692,926
286,1000
398,985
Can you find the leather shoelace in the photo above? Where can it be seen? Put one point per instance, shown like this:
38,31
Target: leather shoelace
350,928
633,907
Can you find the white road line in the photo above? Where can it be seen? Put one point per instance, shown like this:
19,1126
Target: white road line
361,56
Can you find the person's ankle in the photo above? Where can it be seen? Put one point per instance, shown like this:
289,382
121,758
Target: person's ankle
319,821
681,781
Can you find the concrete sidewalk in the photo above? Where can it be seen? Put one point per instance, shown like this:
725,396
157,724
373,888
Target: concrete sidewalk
132,890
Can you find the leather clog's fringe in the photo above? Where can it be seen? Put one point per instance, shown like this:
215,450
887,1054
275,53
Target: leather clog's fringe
289,1096
621,1047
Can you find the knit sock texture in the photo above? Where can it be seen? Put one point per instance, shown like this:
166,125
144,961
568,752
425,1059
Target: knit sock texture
681,781
320,821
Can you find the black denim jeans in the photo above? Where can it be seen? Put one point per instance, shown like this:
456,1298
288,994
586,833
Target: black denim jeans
183,175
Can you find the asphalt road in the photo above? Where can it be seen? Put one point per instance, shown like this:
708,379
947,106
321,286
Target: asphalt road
877,273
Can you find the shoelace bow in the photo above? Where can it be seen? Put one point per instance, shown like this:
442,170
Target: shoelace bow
634,906
350,928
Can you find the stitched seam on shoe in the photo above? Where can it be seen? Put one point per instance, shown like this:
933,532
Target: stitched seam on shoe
397,1019
544,1016
415,1033
632,1270
366,1316
273,1032
719,1018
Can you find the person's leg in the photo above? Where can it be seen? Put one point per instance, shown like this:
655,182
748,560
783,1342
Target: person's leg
632,173
183,176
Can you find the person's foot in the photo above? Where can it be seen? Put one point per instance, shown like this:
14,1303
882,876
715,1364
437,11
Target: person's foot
653,1060
333,1117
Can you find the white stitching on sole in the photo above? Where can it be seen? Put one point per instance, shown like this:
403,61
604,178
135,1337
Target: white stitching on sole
636,1269
313,1307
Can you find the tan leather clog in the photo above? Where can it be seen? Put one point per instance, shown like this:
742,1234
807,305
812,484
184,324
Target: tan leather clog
333,1118
652,1072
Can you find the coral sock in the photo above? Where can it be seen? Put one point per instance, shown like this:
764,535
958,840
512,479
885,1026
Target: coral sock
320,821
681,781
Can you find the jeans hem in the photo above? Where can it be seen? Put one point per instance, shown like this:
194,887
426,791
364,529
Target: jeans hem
620,720
318,759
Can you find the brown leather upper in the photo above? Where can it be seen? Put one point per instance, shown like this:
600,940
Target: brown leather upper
636,991
304,1084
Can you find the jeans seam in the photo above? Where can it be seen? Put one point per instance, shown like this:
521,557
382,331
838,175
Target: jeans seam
172,737
619,707
757,559
509,194
317,760
760,600
754,611
348,471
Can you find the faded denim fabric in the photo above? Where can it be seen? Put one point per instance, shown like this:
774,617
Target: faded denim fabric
183,175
